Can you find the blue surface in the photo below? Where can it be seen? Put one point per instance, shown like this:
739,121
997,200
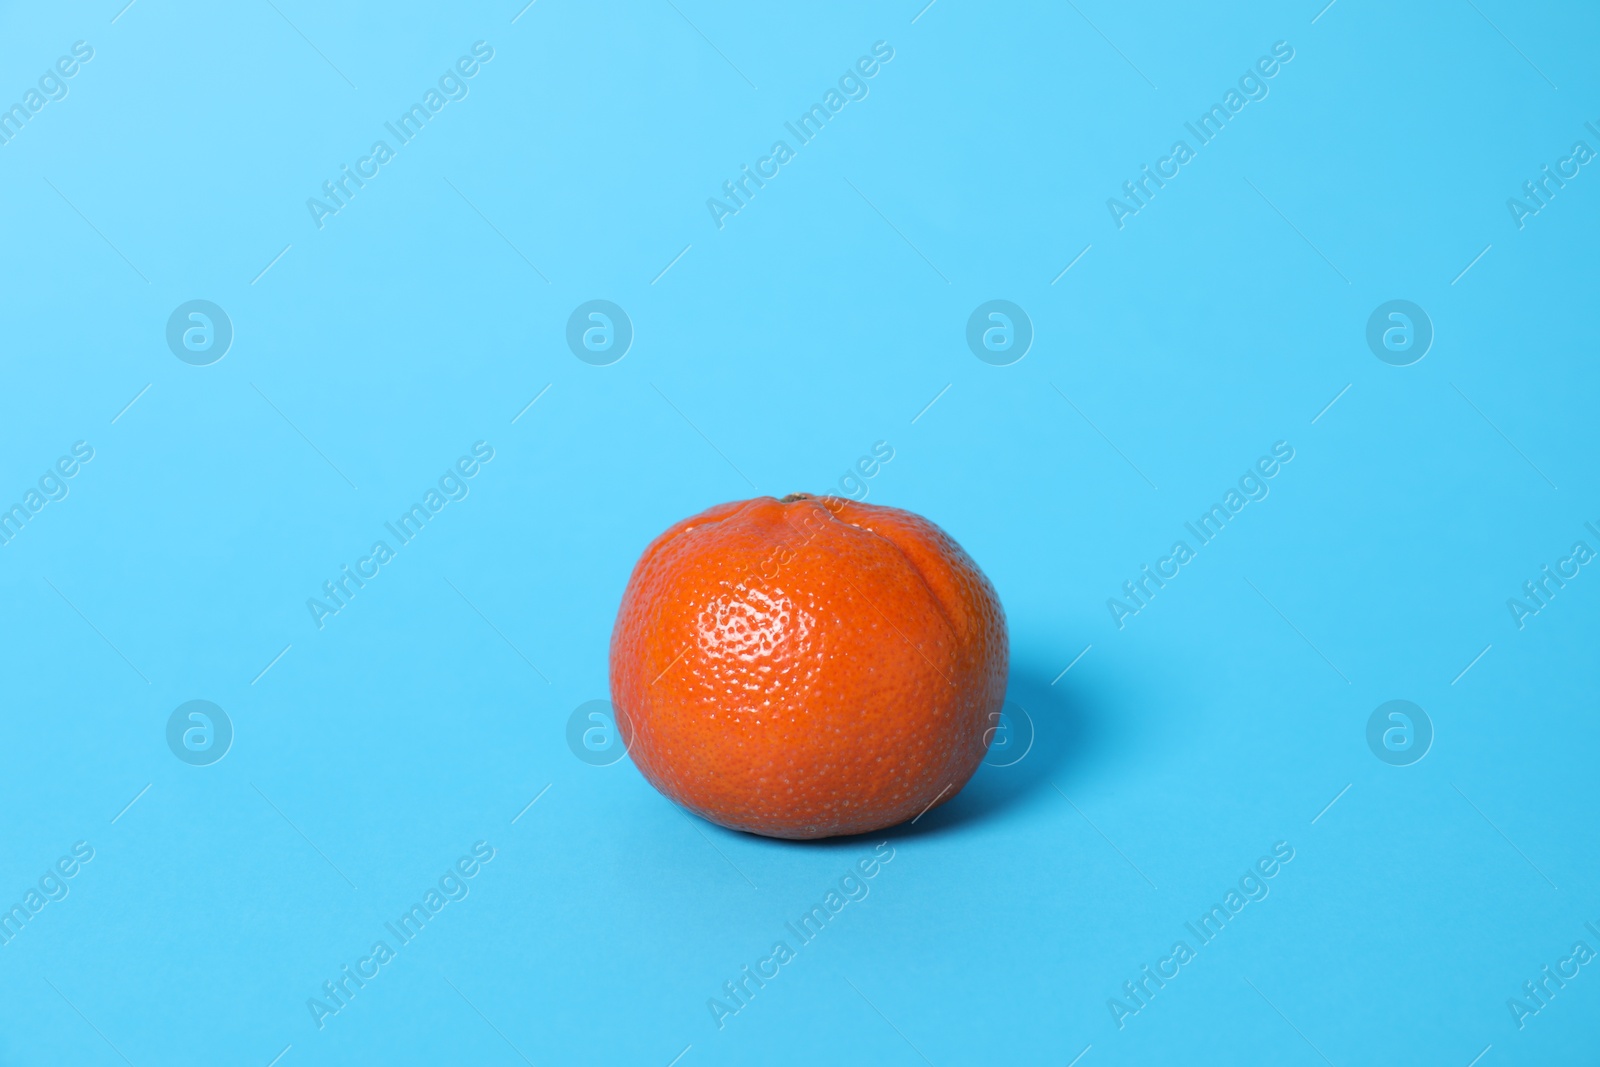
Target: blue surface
374,748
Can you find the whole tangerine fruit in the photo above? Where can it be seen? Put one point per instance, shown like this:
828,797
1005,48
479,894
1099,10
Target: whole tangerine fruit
807,667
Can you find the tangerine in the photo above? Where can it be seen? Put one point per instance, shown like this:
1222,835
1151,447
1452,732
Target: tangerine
807,667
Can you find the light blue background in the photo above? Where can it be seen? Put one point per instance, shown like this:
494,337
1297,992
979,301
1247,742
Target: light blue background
821,319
